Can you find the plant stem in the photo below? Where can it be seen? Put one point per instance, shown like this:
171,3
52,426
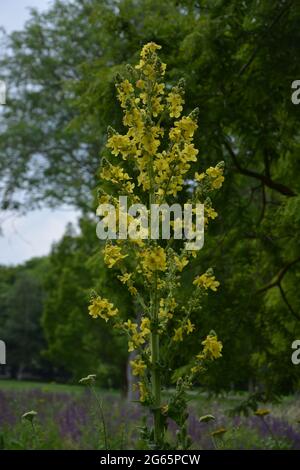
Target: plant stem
156,379
35,437
100,406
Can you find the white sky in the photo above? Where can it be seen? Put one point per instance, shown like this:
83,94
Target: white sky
33,234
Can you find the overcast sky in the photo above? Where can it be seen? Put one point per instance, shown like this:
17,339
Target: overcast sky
33,234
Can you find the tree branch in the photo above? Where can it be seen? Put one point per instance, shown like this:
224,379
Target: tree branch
267,181
277,283
279,276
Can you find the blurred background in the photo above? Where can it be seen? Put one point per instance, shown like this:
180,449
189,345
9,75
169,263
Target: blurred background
59,61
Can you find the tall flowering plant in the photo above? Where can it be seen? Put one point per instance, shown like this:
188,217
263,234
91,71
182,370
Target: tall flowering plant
151,164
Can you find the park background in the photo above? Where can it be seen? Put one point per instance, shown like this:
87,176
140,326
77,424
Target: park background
238,60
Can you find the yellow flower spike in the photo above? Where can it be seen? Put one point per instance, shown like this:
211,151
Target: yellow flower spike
158,161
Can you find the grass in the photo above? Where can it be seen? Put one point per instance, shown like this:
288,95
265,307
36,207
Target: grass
45,387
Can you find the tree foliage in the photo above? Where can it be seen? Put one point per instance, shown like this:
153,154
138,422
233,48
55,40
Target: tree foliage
238,60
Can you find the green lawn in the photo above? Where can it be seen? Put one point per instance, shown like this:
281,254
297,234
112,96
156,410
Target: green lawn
46,387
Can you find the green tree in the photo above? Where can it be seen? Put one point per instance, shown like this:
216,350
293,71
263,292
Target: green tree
21,306
75,343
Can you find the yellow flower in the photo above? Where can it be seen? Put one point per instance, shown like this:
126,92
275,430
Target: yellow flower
166,307
189,327
175,101
212,347
125,278
143,391
101,307
216,174
178,334
199,176
211,213
120,144
207,281
152,260
137,338
112,254
132,290
150,65
125,89
136,341
213,172
138,367
115,174
187,127
181,263
262,412
130,326
150,47
145,326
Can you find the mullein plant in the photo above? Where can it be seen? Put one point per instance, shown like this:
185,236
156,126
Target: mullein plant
151,164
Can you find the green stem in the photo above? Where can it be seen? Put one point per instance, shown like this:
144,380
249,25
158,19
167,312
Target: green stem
156,378
154,336
35,437
100,407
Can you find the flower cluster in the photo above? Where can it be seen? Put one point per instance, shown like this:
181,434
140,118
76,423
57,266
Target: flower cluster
207,281
137,336
102,308
112,254
212,349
